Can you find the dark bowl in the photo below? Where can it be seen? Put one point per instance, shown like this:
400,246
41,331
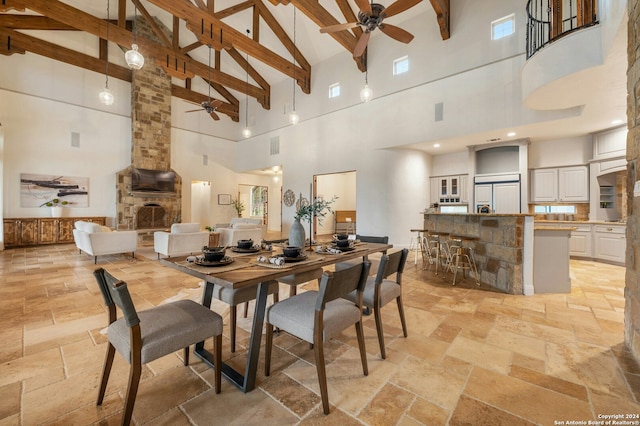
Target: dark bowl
213,254
291,251
342,243
245,244
342,236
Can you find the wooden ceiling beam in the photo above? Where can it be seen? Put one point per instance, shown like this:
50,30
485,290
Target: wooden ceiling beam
211,31
443,13
122,13
153,24
30,22
182,65
321,16
197,98
232,10
63,54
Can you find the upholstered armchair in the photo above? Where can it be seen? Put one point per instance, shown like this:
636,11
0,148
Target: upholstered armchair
184,238
241,229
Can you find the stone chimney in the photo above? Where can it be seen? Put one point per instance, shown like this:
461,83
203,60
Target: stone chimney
150,146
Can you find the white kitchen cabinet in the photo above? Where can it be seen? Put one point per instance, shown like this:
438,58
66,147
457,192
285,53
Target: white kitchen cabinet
580,242
484,194
609,144
610,242
544,185
449,189
434,190
464,188
506,197
564,184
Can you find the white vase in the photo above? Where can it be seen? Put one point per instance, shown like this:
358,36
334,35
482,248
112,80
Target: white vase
56,211
296,234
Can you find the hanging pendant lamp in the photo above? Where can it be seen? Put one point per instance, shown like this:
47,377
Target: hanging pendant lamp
106,96
293,115
366,94
134,58
246,132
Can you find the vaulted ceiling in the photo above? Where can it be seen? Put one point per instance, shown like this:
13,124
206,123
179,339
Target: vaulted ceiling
252,37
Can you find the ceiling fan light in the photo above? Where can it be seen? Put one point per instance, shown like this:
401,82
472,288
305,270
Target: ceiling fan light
106,96
366,94
134,59
294,118
246,133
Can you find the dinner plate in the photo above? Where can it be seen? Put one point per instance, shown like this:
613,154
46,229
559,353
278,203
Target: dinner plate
343,248
225,261
245,250
294,259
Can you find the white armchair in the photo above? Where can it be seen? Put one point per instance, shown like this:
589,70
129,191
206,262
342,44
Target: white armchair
240,231
184,238
97,240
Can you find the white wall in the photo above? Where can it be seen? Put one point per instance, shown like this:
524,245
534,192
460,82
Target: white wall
455,163
560,152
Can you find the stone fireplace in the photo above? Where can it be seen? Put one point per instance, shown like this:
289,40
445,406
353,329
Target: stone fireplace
150,149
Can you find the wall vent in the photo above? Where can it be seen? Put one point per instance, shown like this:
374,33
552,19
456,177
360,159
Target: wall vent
75,139
439,112
275,145
205,159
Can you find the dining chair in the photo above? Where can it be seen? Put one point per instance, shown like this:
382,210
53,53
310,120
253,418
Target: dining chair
380,290
375,261
141,337
317,316
235,297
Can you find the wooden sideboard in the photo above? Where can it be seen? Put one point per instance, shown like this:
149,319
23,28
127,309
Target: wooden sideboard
42,230
345,221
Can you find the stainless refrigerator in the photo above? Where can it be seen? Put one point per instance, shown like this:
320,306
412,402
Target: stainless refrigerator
497,193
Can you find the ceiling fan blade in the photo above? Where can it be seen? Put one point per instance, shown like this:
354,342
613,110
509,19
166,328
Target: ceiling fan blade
396,33
338,27
361,44
398,6
195,110
364,6
215,103
214,115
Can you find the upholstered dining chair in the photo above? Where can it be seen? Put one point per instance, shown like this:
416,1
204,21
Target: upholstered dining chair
317,316
235,297
374,259
141,337
380,290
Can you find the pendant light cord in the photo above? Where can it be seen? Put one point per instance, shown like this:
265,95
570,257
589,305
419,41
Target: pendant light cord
246,98
294,58
106,74
135,19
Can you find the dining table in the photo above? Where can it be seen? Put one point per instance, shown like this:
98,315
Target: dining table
248,269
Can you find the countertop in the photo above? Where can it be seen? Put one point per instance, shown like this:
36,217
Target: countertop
578,222
554,228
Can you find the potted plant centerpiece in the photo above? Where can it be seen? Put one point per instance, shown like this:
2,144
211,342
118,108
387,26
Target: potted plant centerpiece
238,206
319,208
56,206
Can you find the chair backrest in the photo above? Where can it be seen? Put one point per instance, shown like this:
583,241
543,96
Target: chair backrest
336,285
391,264
115,292
373,239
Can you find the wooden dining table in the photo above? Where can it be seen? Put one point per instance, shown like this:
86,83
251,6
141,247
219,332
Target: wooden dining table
244,271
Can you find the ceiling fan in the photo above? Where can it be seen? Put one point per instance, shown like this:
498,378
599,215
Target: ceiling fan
370,17
209,105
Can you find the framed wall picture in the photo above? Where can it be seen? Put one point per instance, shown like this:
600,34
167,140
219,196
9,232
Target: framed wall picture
224,199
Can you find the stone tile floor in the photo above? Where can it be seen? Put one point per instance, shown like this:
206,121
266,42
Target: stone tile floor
472,357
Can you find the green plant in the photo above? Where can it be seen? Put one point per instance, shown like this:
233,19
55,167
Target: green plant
318,208
210,228
55,202
238,206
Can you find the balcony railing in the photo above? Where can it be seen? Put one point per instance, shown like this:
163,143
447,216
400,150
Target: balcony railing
548,20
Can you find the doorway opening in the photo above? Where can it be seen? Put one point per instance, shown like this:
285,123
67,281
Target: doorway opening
256,201
341,185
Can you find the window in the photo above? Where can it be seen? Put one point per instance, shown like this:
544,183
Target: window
334,90
503,27
555,209
401,65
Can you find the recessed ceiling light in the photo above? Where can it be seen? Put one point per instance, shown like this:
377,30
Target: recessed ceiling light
511,134
614,122
436,145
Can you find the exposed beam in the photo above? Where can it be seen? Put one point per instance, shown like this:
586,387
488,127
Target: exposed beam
197,98
443,13
232,10
83,21
30,22
153,24
350,16
210,30
63,54
122,13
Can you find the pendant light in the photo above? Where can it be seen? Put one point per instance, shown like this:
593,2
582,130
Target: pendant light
134,59
246,132
106,97
366,94
293,115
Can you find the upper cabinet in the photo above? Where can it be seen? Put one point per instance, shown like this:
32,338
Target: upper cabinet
564,185
449,189
610,144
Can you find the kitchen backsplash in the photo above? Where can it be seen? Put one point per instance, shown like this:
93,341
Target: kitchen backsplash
582,211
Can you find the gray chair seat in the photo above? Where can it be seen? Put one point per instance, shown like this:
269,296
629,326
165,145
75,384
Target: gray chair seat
166,329
389,290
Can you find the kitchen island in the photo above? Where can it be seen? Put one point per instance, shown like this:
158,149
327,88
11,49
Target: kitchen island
551,259
502,244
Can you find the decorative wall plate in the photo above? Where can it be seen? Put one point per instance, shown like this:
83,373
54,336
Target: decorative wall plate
289,198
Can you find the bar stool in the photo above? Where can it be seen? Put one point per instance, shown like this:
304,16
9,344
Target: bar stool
461,257
417,244
437,249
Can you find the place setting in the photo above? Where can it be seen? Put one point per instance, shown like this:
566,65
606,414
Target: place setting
212,260
290,255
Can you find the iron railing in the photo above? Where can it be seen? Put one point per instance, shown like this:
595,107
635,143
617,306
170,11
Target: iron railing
548,20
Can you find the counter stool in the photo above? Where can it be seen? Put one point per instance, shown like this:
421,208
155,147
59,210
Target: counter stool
417,244
461,257
437,249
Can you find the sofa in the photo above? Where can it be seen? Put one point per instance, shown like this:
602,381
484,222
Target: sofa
97,240
183,238
240,229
